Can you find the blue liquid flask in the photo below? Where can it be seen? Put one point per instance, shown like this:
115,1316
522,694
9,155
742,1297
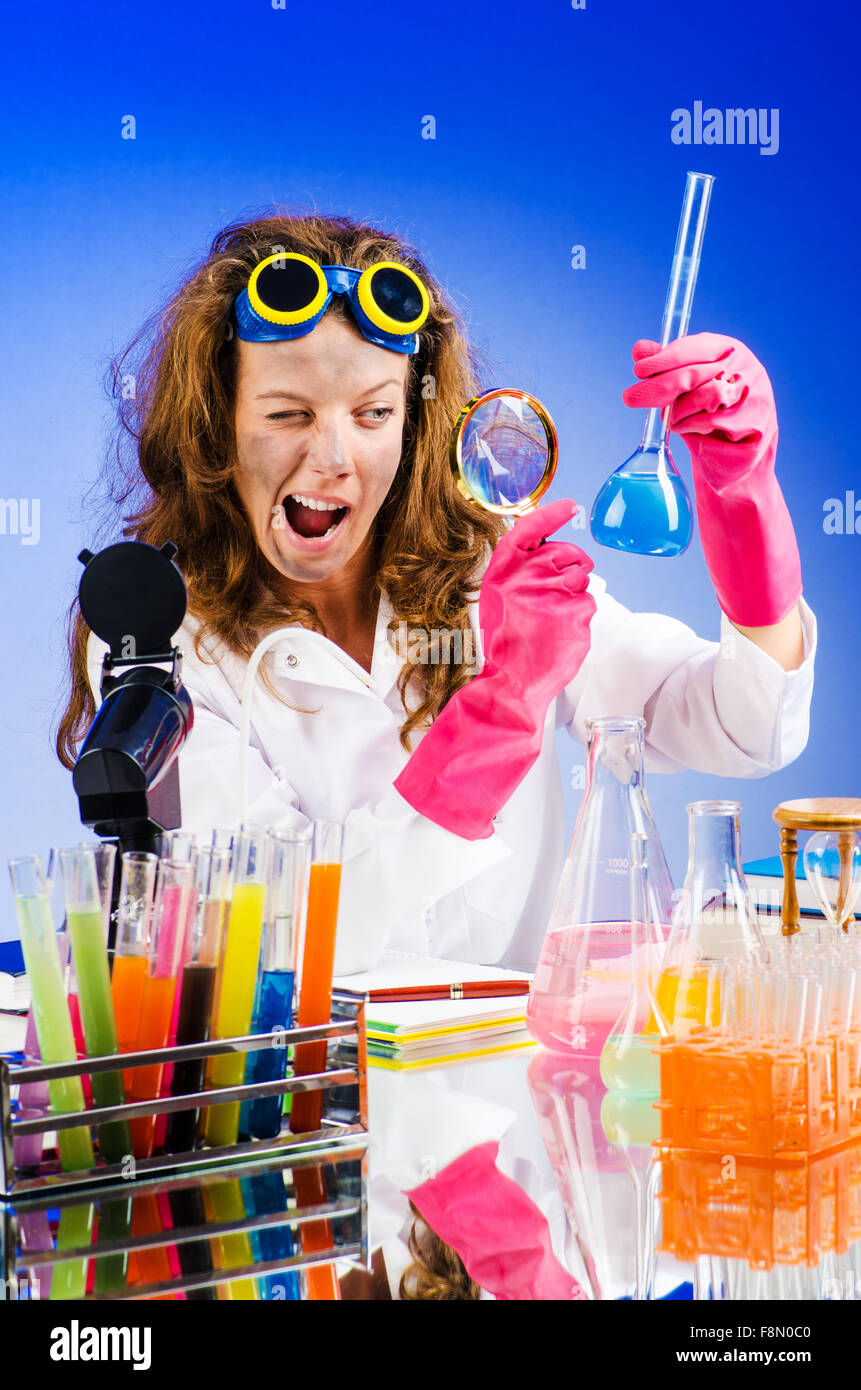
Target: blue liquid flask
644,507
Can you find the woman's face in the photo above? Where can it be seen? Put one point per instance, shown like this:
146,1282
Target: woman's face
319,428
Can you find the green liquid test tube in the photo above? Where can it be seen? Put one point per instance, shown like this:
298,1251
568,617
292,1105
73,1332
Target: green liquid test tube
86,922
56,1044
87,879
53,1024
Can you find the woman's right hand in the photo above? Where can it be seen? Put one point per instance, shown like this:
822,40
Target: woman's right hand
535,613
534,608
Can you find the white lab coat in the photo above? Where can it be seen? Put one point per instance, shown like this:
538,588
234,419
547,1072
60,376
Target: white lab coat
333,752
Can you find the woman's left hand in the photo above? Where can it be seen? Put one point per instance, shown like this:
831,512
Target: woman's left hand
722,405
721,398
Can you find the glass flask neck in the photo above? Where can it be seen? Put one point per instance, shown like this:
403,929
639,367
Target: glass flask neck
714,843
656,431
614,757
715,915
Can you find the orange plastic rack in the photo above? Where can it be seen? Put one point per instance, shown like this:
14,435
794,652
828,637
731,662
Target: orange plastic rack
763,1213
723,1097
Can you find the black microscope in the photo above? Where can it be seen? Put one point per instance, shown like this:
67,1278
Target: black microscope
126,777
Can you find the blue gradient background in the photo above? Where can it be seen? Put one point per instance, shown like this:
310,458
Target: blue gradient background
553,128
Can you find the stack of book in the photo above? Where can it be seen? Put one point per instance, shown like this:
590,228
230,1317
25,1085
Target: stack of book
14,997
423,1012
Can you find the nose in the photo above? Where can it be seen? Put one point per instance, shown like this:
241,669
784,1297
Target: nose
328,454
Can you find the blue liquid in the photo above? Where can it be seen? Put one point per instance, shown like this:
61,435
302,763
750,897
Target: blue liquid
643,514
264,1195
274,1011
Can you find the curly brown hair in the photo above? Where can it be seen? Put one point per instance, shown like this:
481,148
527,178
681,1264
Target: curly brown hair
437,1272
172,472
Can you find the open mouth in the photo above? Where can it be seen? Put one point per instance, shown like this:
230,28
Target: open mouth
311,518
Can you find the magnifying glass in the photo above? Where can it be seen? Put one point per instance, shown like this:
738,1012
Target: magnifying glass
503,451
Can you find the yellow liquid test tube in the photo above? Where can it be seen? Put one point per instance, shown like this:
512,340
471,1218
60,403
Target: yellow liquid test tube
235,1003
222,1201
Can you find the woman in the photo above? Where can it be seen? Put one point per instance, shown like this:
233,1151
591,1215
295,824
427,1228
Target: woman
290,435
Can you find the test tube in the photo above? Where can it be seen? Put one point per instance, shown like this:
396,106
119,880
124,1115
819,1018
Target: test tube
173,885
180,847
57,1044
286,902
315,1006
318,964
86,922
134,928
235,1002
48,1002
197,988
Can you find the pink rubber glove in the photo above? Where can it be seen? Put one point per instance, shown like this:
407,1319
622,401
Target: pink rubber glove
534,612
498,1232
723,408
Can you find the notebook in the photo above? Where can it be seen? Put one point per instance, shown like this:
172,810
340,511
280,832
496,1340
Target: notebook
13,1031
433,1031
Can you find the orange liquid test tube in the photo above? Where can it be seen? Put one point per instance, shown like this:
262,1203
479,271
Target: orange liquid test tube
133,940
315,1006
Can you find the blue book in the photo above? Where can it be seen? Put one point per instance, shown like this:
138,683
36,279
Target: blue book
765,879
14,985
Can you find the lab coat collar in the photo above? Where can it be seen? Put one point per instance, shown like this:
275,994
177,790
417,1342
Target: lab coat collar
303,656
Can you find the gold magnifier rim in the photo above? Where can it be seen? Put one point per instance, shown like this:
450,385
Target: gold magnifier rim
456,458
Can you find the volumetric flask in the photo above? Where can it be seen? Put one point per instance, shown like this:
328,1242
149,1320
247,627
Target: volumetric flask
583,976
503,451
644,507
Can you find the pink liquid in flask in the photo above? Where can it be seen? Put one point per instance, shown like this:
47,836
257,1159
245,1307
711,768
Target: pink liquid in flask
582,980
583,976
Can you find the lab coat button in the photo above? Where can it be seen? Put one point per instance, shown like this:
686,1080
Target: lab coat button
292,659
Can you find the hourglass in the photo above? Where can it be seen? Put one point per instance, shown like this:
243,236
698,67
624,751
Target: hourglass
832,859
832,866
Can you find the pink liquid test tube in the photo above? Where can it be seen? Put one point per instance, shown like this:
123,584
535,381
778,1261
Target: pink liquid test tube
33,1104
182,851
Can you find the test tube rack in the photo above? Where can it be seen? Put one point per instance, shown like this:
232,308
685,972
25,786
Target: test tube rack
722,1096
336,1154
765,1214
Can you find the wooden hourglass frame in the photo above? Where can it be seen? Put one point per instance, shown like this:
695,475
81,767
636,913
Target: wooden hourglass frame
836,814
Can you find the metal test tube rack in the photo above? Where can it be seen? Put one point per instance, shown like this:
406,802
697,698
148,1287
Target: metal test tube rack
338,1150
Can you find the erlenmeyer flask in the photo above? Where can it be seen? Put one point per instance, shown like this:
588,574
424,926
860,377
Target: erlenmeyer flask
714,919
591,1173
582,979
629,1061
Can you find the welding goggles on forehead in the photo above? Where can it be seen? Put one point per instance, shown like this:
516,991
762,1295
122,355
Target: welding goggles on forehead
288,294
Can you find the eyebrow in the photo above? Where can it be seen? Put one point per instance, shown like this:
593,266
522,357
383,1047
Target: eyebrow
278,393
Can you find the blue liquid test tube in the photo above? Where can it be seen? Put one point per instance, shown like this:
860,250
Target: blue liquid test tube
283,922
